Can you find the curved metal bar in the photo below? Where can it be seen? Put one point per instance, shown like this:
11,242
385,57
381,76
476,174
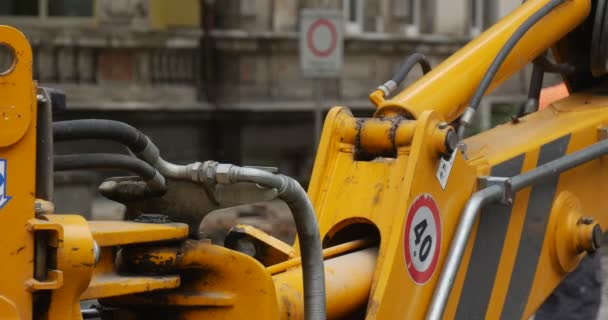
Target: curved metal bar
492,194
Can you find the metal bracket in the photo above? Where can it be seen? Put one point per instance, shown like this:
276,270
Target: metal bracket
503,182
602,133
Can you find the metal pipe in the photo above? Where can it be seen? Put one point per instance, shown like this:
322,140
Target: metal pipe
458,76
327,253
44,146
307,227
457,247
491,194
555,167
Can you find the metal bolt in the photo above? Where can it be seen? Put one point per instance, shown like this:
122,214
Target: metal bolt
451,141
590,234
96,253
195,171
442,125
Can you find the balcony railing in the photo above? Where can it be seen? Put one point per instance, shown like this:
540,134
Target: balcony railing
143,66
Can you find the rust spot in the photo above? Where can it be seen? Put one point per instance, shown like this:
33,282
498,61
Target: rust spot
379,187
18,251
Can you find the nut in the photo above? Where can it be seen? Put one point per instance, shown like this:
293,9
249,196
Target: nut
196,172
222,173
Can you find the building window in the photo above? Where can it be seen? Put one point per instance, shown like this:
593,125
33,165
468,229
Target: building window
407,12
477,17
47,8
70,8
353,15
248,8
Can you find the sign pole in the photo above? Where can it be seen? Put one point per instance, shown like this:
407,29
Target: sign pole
318,109
321,51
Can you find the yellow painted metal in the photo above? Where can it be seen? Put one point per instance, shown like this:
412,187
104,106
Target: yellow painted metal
449,87
18,149
580,116
75,259
113,233
268,249
234,284
327,253
346,192
107,280
571,237
367,175
112,285
347,284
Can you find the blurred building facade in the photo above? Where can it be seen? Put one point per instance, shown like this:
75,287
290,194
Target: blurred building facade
220,79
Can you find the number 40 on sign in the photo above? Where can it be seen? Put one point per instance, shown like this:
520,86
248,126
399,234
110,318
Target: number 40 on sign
422,238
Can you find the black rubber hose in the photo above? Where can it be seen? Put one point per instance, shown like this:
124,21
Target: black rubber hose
551,67
408,64
101,129
536,86
153,178
502,55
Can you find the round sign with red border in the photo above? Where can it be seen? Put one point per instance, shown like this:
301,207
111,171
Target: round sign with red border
313,38
422,238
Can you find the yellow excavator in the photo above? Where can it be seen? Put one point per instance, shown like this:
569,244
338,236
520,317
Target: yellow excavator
405,217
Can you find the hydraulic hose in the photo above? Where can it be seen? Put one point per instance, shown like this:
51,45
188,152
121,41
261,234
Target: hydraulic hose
137,142
467,117
307,227
101,129
404,69
153,178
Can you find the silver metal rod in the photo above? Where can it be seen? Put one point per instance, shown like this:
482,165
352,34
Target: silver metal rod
492,194
555,167
318,110
459,244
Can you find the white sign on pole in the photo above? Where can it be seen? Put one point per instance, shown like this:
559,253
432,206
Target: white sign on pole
321,43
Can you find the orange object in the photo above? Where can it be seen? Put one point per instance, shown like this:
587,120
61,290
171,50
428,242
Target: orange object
551,94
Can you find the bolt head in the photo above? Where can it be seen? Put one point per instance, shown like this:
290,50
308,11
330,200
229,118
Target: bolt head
451,141
222,173
596,237
196,172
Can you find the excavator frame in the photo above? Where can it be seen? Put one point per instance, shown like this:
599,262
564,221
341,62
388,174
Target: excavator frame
413,223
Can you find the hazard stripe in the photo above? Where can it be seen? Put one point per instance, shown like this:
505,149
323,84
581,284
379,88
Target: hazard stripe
533,233
487,249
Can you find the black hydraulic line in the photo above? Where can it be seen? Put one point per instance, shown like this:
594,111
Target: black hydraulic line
44,146
408,64
137,142
536,86
552,67
404,69
307,228
153,178
500,58
101,129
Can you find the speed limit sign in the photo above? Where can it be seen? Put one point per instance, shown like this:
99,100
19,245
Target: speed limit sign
422,238
321,43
